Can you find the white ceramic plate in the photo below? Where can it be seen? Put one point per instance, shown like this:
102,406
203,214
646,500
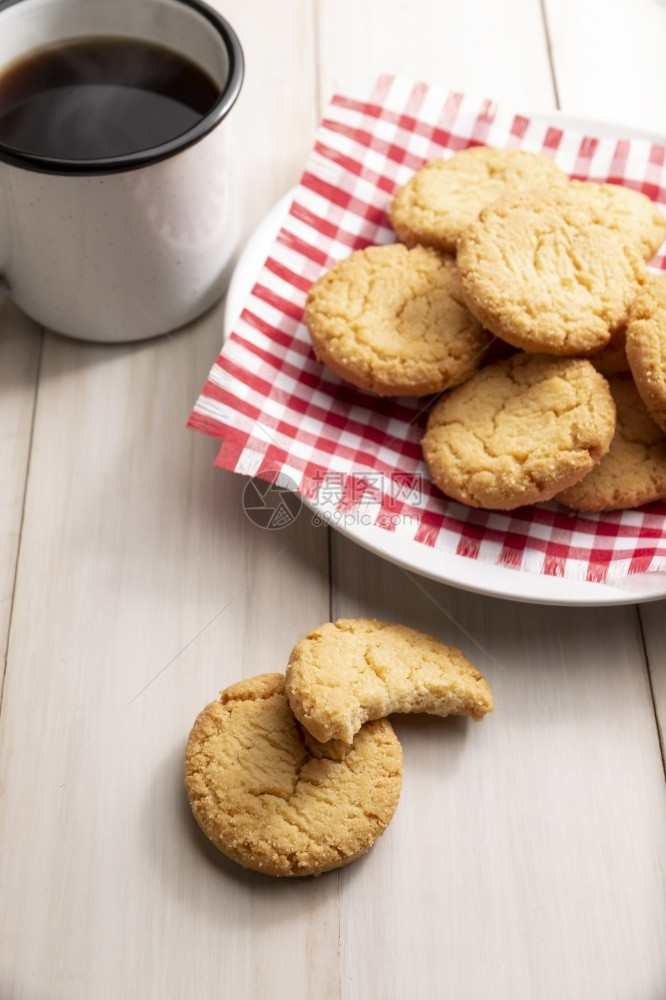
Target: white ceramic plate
458,571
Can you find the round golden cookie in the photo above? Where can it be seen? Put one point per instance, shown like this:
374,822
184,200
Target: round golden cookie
346,672
628,212
548,271
646,347
278,802
633,472
392,321
519,431
445,196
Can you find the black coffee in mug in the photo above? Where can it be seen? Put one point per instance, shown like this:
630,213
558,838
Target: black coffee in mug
101,97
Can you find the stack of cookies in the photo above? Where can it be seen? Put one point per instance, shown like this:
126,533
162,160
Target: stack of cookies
299,774
523,299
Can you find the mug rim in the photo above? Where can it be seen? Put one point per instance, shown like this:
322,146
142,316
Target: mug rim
154,154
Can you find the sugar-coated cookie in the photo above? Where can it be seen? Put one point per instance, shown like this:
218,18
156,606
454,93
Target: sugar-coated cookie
633,472
519,431
446,195
550,271
646,347
346,672
278,803
392,321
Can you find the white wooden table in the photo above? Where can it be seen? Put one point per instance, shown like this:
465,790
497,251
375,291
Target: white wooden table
527,858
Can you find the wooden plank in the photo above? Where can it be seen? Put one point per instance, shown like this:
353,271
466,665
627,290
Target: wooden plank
20,348
142,590
608,60
653,624
602,81
273,124
527,855
138,565
528,852
476,46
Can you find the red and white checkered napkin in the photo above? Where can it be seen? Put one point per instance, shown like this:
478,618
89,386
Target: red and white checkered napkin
276,409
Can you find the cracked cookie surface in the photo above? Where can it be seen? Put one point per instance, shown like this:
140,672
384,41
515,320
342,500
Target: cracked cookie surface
277,801
646,347
355,669
552,270
446,195
626,211
633,472
392,321
519,431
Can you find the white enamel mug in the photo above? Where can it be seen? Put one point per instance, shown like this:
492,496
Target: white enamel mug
126,247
